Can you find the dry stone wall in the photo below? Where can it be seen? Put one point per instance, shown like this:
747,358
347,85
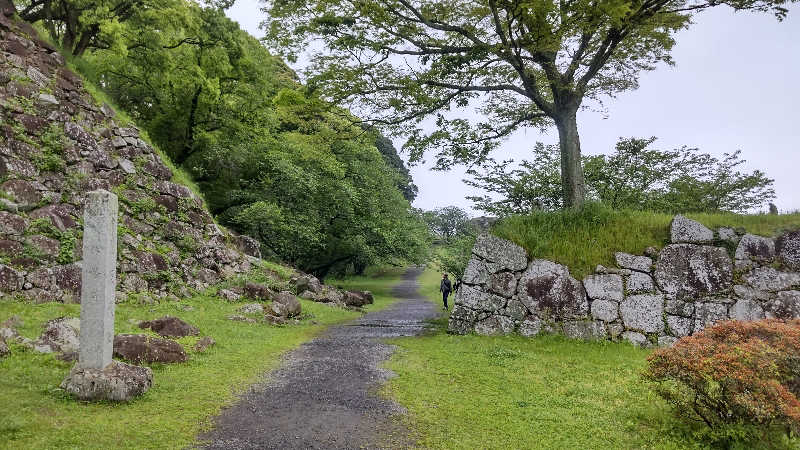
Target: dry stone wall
690,284
56,145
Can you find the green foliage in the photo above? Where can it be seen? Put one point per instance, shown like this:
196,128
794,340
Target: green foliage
448,222
272,159
633,177
739,378
453,257
521,64
53,141
583,239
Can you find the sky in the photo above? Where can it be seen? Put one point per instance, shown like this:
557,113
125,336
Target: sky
735,86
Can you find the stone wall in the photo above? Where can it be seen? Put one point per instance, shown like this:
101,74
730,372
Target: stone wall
688,285
56,144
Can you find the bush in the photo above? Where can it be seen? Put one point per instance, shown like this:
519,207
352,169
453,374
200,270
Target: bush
741,379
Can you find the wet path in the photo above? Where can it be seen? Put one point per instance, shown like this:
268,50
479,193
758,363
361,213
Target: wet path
323,397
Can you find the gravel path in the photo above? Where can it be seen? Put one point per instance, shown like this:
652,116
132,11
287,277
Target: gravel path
324,395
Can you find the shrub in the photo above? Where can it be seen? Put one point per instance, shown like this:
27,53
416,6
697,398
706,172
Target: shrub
741,379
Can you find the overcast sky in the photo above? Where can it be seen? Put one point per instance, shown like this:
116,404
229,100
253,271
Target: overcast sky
735,85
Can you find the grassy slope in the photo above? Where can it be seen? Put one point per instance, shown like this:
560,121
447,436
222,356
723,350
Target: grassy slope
581,240
37,414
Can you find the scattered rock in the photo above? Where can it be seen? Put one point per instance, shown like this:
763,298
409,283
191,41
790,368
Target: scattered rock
60,335
687,231
252,308
290,303
140,348
204,343
239,318
4,350
257,291
229,295
117,382
355,298
169,326
307,283
275,320
277,310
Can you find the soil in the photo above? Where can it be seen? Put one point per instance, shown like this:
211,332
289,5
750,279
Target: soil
325,394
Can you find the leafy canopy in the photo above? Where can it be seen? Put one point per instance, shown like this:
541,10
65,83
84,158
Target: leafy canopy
634,177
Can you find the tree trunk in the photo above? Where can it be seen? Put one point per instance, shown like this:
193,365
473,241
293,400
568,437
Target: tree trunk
572,182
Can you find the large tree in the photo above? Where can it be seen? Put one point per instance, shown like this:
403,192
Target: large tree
521,63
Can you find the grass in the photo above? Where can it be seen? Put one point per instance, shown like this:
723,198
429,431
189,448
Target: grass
184,397
581,240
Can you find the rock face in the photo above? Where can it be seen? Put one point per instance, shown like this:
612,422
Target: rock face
169,326
140,348
164,227
690,287
117,382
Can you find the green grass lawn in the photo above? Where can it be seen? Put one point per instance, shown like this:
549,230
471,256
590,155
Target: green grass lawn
583,239
35,413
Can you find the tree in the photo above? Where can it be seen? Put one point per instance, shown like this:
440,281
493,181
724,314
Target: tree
533,63
633,177
392,158
448,222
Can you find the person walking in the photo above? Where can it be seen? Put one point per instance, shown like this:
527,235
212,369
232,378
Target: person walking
445,287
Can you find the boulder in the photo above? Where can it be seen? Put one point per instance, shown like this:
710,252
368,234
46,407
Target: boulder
25,193
633,262
604,287
787,247
229,295
60,215
503,284
308,283
248,246
204,343
169,326
643,313
506,254
289,302
355,298
140,348
240,318
277,309
257,291
12,224
547,289
727,234
686,271
687,231
639,283
60,335
69,278
330,295
117,382
755,248
10,279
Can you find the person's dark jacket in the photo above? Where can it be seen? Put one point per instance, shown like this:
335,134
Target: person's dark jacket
445,286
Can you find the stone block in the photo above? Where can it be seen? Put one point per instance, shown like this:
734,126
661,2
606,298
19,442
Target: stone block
604,287
605,310
707,314
686,271
633,262
508,255
643,312
755,248
687,231
639,283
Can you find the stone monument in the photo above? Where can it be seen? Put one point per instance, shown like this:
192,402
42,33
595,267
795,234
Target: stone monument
97,376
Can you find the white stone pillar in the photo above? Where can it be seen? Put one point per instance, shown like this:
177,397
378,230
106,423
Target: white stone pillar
99,279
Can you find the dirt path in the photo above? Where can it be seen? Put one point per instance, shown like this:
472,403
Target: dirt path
324,395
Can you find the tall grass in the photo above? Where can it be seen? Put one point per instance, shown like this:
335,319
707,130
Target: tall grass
583,239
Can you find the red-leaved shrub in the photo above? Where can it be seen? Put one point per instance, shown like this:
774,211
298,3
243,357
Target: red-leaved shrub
734,373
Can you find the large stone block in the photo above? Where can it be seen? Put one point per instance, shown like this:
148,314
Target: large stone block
635,338
633,262
506,254
685,230
547,289
476,272
755,248
707,314
770,280
747,310
639,283
503,284
643,313
584,329
605,310
494,326
679,326
788,249
478,300
686,271
604,287
462,320
785,306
